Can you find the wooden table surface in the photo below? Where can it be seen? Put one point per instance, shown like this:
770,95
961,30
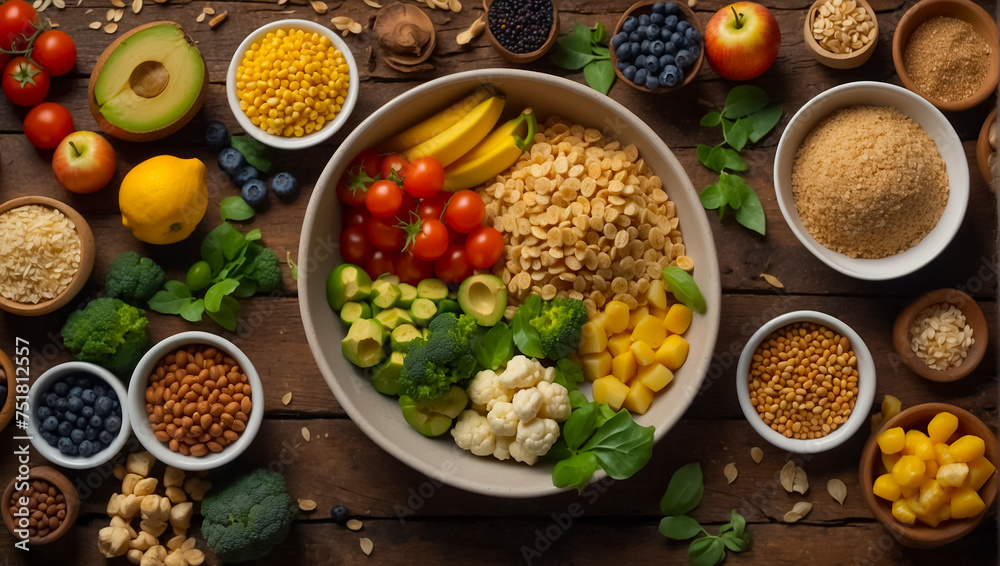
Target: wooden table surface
413,519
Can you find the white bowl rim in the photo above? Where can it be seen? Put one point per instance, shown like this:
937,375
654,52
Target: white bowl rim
51,453
866,384
137,402
328,129
958,178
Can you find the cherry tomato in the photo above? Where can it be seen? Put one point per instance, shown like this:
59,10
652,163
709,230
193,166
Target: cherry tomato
484,246
24,82
55,51
455,237
383,198
356,216
354,246
424,178
433,207
431,241
412,270
47,124
360,174
394,165
368,161
380,262
16,19
465,211
453,266
384,234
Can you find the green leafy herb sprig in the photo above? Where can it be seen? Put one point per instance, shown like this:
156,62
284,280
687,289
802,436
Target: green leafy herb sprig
586,48
256,153
683,495
684,288
747,116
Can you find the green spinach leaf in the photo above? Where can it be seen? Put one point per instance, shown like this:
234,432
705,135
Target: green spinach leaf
763,121
744,100
684,491
599,75
679,527
685,289
256,153
235,208
575,470
495,347
621,446
706,551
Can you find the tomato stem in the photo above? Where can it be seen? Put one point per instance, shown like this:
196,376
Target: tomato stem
30,45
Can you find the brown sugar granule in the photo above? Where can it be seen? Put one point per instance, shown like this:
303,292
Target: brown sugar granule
946,58
869,182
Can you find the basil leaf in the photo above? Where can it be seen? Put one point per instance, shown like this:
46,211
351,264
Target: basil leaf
599,35
580,425
532,306
736,543
604,414
571,59
720,158
763,121
574,471
235,208
215,293
177,288
577,400
167,303
496,347
685,289
706,551
253,235
711,119
703,152
525,336
621,446
559,451
738,522
216,244
737,133
733,187
684,491
744,100
576,42
602,52
193,310
725,528
256,153
712,197
751,212
679,527
247,288
599,75
568,374
226,315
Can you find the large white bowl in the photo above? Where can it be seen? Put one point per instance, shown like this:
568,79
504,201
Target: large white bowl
379,416
330,127
920,111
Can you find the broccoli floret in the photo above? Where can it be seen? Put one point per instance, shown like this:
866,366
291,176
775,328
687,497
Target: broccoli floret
133,278
248,517
265,270
431,367
450,337
109,333
559,325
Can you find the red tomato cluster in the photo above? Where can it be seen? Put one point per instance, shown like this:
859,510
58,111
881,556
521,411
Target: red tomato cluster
398,220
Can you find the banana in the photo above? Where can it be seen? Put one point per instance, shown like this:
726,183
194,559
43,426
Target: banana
457,140
437,123
494,155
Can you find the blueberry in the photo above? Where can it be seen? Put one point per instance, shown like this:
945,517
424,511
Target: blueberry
677,39
245,174
652,66
75,404
629,25
694,51
683,26
652,83
669,48
658,8
623,51
77,436
634,49
100,391
693,35
88,396
86,448
105,437
653,32
669,76
65,428
43,412
643,20
216,135
670,8
70,417
255,193
640,61
640,76
51,399
62,404
92,433
113,424
60,388
340,514
52,439
666,60
644,46
116,407
656,48
656,19
72,451
622,64
65,444
670,23
230,160
634,37
102,406
50,423
96,421
629,72
619,38
683,58
83,382
87,411
76,391
70,380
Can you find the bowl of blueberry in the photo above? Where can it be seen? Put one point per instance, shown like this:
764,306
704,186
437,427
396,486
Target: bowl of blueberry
657,46
8,385
254,185
76,418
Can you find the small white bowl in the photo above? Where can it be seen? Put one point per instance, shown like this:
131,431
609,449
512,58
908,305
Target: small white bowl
328,128
921,112
866,385
137,402
36,397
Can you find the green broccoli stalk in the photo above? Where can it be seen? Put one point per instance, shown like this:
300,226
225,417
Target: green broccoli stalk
446,358
265,270
109,333
559,326
133,278
248,517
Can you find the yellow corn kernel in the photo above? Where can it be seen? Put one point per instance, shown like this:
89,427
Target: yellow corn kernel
932,496
616,315
673,352
914,502
655,376
941,454
902,512
892,440
909,492
657,312
657,294
889,460
930,519
965,502
639,398
678,318
619,343
599,320
967,448
650,330
942,426
944,512
596,365
886,488
932,468
919,445
909,471
593,340
609,390
635,316
623,366
952,475
980,471
644,355
891,406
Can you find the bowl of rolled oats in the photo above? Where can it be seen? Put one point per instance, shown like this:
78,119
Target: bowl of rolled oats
942,335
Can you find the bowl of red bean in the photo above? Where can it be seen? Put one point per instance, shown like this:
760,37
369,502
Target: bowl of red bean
41,504
196,401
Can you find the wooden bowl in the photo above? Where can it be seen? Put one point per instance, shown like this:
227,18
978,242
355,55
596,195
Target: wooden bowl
63,485
974,318
646,7
520,58
984,25
919,535
7,411
86,258
838,60
984,149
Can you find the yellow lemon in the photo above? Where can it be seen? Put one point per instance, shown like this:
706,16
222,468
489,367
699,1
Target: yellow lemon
163,198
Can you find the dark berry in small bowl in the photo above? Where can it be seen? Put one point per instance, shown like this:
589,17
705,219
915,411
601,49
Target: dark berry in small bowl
521,31
657,46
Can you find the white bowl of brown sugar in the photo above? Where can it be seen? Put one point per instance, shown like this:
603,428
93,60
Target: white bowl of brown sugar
872,179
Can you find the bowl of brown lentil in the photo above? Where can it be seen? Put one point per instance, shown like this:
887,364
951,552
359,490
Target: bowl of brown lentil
946,51
50,499
942,335
297,97
841,34
800,379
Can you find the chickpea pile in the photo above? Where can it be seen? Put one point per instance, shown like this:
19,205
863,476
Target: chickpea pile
804,380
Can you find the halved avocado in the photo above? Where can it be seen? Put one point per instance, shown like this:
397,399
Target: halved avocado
148,83
484,297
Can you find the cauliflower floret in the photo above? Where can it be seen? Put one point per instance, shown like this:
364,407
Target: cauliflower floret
527,403
485,390
534,439
555,401
521,372
472,432
549,374
502,451
503,419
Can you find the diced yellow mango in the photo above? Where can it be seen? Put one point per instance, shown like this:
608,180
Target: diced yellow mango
619,343
678,318
623,366
932,496
593,339
892,440
942,455
610,390
942,426
932,468
952,475
599,320
616,315
635,316
655,376
650,330
891,406
886,487
965,502
967,448
909,492
596,365
657,294
644,355
919,445
980,470
638,399
902,512
673,352
909,471
889,460
657,312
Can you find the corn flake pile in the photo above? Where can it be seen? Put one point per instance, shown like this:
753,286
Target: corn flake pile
582,217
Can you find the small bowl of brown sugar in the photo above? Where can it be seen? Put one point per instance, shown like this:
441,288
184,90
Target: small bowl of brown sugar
946,51
41,504
806,382
942,335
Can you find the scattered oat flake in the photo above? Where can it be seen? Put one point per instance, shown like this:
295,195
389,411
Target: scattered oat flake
286,398
307,504
801,509
800,484
119,14
110,15
730,472
95,25
136,6
306,434
111,28
373,4
200,18
772,280
354,525
757,454
320,7
367,546
787,476
209,10
837,490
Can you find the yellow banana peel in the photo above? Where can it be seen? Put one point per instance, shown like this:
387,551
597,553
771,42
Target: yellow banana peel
494,155
437,123
457,140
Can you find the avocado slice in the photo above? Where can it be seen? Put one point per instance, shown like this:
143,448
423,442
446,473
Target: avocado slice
352,311
423,310
391,278
363,344
484,297
347,282
433,289
384,293
448,305
402,336
434,418
406,295
385,378
391,318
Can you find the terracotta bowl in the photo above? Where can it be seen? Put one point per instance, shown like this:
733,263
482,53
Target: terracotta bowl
7,409
86,258
984,149
919,535
838,60
984,25
521,58
646,7
974,318
63,485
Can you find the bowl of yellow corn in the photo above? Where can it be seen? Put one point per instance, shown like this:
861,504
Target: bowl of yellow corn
292,84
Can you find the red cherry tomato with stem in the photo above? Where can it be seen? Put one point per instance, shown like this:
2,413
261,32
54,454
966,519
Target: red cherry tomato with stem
354,245
484,246
24,82
394,166
453,266
360,174
47,124
16,19
433,207
424,178
383,198
384,234
380,262
356,216
55,51
412,270
427,238
465,211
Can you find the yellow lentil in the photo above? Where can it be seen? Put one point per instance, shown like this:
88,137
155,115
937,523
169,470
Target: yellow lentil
291,82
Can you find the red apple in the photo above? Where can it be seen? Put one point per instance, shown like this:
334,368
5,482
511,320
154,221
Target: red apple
742,40
84,162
